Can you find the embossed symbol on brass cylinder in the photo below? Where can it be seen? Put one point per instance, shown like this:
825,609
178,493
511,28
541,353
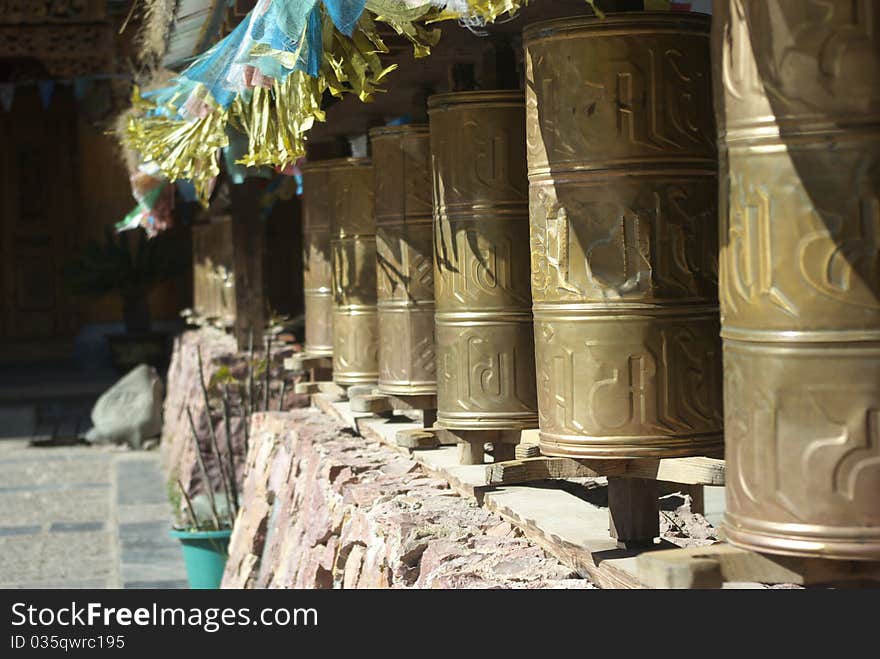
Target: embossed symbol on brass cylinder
404,242
317,260
622,192
485,345
799,126
353,246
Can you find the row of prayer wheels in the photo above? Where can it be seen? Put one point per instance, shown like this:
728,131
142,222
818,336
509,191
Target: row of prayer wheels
552,259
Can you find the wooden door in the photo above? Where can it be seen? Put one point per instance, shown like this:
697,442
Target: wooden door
38,204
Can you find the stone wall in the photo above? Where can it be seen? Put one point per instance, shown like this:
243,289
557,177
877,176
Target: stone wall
184,392
324,508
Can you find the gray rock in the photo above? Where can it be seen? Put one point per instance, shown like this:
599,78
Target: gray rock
130,412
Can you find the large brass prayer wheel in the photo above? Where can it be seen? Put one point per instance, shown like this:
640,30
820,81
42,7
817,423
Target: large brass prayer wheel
798,99
404,244
623,206
485,345
317,261
353,244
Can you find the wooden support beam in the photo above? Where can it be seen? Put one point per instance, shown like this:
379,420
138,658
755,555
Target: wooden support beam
711,566
693,471
417,439
633,511
688,471
332,389
304,362
523,451
470,452
371,403
502,451
308,388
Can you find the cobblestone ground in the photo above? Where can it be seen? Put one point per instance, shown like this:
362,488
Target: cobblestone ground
85,517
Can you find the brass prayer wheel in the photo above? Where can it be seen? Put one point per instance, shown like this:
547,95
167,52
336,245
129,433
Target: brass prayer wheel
485,344
317,261
404,244
623,203
353,245
799,124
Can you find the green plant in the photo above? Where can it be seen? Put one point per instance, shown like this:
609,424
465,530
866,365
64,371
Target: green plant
116,266
217,508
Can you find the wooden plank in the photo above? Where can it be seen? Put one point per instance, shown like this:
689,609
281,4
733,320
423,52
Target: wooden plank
523,451
371,404
385,430
417,402
710,566
575,531
530,436
537,469
688,471
695,471
304,361
418,439
338,409
332,389
307,388
468,480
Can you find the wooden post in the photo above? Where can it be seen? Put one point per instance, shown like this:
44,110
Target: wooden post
503,451
698,501
470,452
634,511
249,247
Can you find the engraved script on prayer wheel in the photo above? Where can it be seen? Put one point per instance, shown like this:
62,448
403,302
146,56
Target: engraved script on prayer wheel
317,260
353,244
404,241
485,344
798,101
622,199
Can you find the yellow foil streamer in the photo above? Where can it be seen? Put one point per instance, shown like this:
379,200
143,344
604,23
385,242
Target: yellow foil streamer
276,120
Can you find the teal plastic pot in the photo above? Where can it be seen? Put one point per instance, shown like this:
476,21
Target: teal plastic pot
205,554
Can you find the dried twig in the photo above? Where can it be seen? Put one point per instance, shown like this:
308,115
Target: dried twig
281,396
189,506
268,373
204,472
224,479
250,389
227,426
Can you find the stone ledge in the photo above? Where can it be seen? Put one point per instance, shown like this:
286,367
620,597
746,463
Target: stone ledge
324,508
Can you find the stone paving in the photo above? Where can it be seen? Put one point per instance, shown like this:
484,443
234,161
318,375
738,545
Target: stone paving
85,517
